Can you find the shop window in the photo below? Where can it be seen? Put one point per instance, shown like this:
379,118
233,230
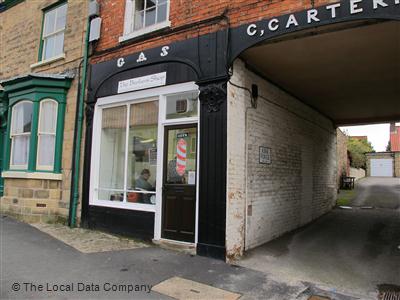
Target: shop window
143,16
47,134
183,105
128,153
52,43
20,134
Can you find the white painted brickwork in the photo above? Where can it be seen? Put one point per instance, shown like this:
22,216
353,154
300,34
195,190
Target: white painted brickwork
300,183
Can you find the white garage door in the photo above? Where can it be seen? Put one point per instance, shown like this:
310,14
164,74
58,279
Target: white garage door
382,167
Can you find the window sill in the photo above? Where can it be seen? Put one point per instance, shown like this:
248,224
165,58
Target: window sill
124,205
48,61
144,31
31,175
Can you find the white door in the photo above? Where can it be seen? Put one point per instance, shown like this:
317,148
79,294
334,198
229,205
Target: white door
382,167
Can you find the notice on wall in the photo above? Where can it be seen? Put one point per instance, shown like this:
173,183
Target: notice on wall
144,82
265,155
191,177
153,156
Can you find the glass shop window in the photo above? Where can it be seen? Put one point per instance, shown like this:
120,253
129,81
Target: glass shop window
128,154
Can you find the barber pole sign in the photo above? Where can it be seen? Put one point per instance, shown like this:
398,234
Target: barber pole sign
181,157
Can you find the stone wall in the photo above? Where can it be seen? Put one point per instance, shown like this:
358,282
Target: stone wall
300,183
32,200
20,30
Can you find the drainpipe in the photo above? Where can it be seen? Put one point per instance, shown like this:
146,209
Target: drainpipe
78,133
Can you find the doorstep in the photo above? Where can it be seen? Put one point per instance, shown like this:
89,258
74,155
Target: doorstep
188,248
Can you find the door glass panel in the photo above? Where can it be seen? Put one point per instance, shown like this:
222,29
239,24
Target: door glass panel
112,153
142,152
181,156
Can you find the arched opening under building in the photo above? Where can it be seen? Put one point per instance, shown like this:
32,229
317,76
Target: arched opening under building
286,98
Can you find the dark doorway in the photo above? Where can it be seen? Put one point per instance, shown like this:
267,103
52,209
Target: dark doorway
179,183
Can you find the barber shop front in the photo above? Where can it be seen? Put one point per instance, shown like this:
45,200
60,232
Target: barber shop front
210,140
144,155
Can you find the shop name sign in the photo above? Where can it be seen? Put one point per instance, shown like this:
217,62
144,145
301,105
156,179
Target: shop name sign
315,16
144,82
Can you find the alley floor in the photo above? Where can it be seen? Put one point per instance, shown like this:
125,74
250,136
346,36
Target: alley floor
352,250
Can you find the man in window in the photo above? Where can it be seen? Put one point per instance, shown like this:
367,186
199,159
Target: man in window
143,184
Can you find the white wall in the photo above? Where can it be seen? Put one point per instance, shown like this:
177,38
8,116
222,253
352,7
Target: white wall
357,173
299,185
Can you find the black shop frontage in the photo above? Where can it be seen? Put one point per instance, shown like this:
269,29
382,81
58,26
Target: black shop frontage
155,163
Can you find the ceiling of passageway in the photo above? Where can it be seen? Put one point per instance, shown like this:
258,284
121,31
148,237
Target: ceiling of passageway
348,72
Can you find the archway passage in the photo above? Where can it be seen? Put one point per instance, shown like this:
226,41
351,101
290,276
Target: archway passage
309,83
350,72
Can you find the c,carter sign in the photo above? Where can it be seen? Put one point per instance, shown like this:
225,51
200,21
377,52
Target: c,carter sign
314,16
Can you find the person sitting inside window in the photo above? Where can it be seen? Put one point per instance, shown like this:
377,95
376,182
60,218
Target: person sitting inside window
142,184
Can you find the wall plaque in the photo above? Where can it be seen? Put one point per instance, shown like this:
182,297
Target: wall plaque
265,155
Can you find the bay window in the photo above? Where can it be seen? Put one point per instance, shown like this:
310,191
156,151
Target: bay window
35,126
20,134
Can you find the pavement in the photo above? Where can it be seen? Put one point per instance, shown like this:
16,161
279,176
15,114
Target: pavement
344,256
352,250
35,265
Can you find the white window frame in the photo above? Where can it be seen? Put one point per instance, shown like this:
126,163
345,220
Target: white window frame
19,167
45,37
43,167
156,94
129,33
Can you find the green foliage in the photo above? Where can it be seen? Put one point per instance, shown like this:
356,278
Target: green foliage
357,149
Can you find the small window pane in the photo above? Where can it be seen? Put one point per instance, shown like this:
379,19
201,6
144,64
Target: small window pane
20,149
46,150
181,166
150,16
58,44
112,148
48,47
162,13
22,118
162,1
150,3
48,117
182,105
49,22
139,5
61,17
139,18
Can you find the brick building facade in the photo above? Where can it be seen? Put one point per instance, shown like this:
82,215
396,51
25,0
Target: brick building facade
41,48
256,159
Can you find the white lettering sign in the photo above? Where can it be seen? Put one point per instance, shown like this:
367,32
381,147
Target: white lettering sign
164,51
312,16
120,62
141,58
143,82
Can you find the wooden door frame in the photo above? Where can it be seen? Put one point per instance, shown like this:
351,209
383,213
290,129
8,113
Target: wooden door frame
166,129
